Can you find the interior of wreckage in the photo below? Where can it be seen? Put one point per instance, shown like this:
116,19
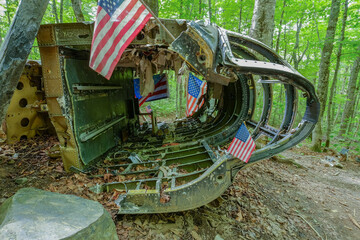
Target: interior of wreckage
170,166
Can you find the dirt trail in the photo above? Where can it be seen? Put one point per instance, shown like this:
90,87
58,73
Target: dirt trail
268,200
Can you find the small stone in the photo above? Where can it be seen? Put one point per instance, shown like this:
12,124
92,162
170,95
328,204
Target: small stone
339,165
21,180
218,237
15,156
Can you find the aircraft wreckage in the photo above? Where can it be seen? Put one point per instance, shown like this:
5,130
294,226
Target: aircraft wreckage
185,166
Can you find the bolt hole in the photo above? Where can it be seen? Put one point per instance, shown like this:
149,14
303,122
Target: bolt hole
140,36
84,36
20,86
202,58
23,102
220,178
23,138
25,122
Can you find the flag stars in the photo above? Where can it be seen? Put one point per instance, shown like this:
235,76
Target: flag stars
196,88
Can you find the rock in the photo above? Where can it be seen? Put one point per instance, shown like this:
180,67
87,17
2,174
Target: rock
339,165
344,151
36,214
330,161
218,237
21,180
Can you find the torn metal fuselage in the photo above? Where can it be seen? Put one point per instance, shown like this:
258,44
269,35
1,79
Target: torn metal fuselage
184,168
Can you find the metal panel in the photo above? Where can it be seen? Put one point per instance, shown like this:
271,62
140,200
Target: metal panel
99,107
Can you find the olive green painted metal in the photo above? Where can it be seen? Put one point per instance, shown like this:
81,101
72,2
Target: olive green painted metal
99,114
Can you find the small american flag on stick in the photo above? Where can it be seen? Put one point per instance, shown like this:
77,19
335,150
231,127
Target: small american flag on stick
161,90
242,145
117,24
196,89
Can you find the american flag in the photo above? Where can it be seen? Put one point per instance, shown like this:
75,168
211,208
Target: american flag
196,89
161,89
117,24
148,109
243,145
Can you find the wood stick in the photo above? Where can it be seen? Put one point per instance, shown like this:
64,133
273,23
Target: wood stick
310,225
158,20
354,221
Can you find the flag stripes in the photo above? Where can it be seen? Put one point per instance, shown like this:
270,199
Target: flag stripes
196,89
117,24
161,89
242,145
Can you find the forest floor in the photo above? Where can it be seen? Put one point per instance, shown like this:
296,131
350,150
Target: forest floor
268,200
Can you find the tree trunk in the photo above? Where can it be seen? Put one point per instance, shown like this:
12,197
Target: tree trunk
61,11
285,42
54,10
214,10
210,11
240,15
1,40
323,83
280,27
7,11
154,6
17,47
76,5
297,56
349,105
200,8
181,9
333,85
341,92
296,47
191,9
356,105
262,23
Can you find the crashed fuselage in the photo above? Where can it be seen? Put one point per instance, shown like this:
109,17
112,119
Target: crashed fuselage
185,167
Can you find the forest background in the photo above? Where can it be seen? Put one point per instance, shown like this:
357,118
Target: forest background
301,34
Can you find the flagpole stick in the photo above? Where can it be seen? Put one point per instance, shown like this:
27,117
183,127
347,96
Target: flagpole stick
158,20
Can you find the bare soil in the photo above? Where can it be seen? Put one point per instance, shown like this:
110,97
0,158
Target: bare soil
268,200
